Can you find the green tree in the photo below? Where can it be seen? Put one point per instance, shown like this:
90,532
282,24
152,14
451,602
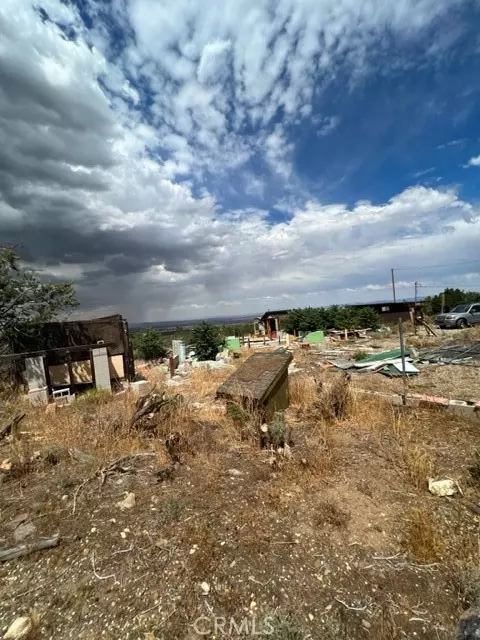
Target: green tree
313,319
26,301
149,344
367,318
207,341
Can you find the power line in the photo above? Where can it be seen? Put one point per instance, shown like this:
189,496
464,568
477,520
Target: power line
438,266
448,286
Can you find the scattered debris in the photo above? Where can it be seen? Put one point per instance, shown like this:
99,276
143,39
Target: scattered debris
118,466
20,628
24,550
395,369
442,488
467,355
127,503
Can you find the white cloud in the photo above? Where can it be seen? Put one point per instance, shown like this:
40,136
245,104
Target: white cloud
88,182
213,65
474,162
329,124
278,152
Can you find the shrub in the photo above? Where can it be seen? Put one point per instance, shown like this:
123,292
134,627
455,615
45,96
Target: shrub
207,341
149,344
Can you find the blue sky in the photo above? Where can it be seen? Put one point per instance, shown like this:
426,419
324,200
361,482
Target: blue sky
186,159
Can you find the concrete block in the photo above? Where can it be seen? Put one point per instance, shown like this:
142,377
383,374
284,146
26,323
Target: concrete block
140,388
38,396
101,368
462,408
178,349
430,399
35,373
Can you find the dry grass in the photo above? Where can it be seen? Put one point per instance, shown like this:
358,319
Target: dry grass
422,539
371,413
204,382
303,391
419,465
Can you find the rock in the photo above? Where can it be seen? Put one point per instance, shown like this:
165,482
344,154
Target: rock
53,453
468,628
366,624
441,488
23,531
20,628
14,522
127,503
205,587
81,456
6,465
234,472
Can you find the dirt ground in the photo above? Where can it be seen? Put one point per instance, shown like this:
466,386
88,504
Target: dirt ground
333,537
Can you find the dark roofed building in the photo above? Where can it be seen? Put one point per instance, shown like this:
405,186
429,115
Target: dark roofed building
271,322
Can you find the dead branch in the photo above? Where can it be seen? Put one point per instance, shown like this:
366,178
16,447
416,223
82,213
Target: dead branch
26,549
110,469
11,425
349,607
151,404
97,575
116,465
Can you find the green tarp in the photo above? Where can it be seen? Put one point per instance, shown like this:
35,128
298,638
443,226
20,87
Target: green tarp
385,355
232,343
315,337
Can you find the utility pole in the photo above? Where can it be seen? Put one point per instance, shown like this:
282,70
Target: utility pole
393,285
415,308
443,302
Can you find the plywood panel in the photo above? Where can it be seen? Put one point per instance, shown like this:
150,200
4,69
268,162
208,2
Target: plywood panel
82,371
115,364
59,376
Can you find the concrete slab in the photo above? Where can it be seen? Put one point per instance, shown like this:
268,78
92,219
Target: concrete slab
101,368
261,383
38,396
35,372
